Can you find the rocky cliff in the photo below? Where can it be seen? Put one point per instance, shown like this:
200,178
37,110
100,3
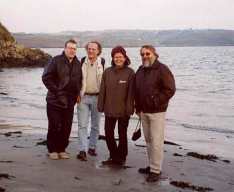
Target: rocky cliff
13,54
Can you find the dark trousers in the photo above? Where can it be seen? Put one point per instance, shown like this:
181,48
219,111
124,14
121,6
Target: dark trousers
59,127
120,151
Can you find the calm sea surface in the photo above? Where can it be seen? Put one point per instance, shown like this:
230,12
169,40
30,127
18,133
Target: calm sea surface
204,99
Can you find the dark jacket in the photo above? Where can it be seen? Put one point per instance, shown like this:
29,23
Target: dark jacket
116,96
63,80
154,86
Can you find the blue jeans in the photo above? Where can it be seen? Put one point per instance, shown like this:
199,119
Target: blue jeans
88,108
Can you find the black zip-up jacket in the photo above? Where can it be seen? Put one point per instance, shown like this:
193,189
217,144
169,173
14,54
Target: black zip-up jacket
154,86
63,81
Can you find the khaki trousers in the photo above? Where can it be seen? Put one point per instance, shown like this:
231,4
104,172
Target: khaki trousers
153,128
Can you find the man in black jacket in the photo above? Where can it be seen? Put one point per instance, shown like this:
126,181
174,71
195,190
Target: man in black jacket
154,86
62,77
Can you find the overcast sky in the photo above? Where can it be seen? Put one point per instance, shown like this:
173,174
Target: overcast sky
79,15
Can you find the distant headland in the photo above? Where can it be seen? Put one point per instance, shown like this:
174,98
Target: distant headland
131,38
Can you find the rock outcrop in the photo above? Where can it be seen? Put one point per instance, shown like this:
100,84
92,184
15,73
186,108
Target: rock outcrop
13,54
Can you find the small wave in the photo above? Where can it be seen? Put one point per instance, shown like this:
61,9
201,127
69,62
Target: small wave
225,116
202,101
40,88
207,128
7,98
8,126
219,91
34,105
185,75
23,118
37,94
200,115
182,89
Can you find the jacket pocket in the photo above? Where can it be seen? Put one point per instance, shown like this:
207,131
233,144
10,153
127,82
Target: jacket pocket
151,102
62,98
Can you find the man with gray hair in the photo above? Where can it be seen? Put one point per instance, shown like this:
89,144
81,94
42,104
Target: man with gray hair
154,86
92,70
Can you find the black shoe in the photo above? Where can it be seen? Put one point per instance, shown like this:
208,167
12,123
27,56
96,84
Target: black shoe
109,161
153,177
92,152
82,156
144,170
119,162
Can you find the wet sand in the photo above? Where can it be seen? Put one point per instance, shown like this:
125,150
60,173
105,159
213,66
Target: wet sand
25,167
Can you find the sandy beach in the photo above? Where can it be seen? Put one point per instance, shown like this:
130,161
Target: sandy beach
199,120
25,167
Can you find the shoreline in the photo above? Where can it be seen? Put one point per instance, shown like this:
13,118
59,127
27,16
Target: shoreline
201,141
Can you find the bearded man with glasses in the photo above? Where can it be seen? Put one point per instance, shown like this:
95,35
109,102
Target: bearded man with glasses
154,87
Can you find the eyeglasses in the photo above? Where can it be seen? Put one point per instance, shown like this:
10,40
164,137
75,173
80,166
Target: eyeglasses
92,49
71,48
145,54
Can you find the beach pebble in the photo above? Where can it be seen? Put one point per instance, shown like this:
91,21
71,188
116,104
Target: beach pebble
117,182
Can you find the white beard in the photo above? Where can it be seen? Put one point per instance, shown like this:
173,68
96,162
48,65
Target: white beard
146,64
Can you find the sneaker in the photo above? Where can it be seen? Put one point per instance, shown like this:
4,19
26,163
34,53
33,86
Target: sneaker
82,156
64,155
153,177
144,170
92,152
53,156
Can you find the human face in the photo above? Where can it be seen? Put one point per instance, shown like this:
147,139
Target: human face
92,51
119,59
147,57
70,50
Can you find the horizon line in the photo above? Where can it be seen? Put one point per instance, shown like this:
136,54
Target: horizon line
102,30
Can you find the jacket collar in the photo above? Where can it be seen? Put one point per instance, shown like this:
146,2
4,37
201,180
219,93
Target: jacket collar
156,64
98,60
116,69
66,59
